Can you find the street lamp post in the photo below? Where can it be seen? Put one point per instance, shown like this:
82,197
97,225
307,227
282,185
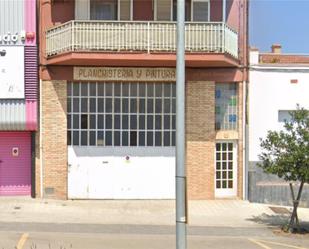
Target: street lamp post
181,213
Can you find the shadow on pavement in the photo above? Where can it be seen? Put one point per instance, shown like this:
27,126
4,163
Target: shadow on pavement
278,221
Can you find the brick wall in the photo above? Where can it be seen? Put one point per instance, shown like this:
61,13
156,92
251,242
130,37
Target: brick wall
200,129
283,59
240,141
54,140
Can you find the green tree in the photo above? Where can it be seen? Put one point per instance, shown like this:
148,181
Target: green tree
285,153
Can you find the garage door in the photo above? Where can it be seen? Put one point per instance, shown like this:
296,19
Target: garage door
121,140
15,163
105,174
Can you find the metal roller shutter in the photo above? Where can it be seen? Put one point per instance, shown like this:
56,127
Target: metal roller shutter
15,163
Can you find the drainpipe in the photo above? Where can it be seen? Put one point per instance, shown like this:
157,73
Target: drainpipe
247,81
245,142
247,162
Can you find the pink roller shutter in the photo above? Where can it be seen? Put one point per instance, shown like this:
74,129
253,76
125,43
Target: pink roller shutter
31,87
15,171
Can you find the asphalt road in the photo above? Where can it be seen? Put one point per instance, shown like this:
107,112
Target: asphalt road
14,235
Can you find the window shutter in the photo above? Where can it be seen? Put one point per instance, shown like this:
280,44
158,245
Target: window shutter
200,11
82,9
163,10
125,10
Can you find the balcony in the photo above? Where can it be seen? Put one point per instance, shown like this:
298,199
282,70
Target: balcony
139,37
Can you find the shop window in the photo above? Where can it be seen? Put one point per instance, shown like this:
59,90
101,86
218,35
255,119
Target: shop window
84,121
133,138
121,114
226,106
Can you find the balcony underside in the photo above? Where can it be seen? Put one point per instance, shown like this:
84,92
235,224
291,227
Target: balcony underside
141,59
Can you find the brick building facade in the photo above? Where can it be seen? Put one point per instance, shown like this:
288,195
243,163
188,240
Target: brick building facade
108,103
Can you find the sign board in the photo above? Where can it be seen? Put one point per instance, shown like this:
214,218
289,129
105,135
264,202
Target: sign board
12,82
124,74
12,39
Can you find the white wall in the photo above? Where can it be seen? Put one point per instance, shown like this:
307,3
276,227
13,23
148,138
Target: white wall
12,83
269,92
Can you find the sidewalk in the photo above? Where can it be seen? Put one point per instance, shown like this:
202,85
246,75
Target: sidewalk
217,213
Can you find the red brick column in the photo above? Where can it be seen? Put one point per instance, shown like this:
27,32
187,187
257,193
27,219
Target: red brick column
54,140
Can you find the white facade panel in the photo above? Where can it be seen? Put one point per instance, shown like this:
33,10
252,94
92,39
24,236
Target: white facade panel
121,173
271,91
12,78
12,22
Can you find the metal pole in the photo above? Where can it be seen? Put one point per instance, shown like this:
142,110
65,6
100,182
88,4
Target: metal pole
224,11
181,213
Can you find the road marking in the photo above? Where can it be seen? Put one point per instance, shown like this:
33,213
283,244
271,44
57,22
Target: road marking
22,241
259,244
280,244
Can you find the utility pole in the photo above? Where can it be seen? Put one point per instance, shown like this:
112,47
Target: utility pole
181,212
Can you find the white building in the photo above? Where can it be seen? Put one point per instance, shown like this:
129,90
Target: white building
278,82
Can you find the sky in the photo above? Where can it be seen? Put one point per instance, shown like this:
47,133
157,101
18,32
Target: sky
280,21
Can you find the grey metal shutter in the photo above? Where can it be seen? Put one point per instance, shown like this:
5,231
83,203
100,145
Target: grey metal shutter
82,9
163,10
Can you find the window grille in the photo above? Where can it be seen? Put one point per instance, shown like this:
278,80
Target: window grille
121,114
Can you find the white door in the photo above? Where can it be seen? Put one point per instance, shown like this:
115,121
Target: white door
226,169
90,177
78,175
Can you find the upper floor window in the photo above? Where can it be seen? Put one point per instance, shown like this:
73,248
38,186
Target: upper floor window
200,10
187,10
151,10
284,116
195,10
103,10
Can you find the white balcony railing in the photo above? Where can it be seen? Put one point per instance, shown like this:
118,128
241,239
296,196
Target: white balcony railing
101,36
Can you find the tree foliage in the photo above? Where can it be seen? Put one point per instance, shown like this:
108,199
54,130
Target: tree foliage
286,152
